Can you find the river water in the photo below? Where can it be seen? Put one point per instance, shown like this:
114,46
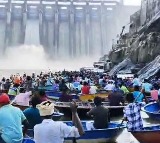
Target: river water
125,137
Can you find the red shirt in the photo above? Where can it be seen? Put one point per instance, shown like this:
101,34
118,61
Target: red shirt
85,89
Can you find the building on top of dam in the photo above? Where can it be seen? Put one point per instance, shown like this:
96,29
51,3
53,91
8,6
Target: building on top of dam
64,28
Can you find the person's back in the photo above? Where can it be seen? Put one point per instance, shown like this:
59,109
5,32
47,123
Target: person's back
132,114
32,113
50,131
11,119
100,114
33,116
115,98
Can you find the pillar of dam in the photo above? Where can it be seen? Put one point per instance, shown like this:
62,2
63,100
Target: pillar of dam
69,29
3,27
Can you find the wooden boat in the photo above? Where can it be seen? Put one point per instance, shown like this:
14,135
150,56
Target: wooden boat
84,107
148,135
152,110
90,97
109,134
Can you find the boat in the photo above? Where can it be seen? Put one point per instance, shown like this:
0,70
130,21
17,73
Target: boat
109,134
90,97
53,94
84,107
27,140
87,97
148,135
152,110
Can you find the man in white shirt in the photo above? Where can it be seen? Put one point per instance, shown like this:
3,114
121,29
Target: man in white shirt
50,131
93,89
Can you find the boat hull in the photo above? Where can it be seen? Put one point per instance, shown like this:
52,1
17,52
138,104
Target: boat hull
64,108
152,110
99,135
109,134
90,97
147,137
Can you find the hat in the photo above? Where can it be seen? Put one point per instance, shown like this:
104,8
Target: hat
46,108
4,98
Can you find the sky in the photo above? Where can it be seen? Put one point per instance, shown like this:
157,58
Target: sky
132,2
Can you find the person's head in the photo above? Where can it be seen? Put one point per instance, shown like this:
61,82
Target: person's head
4,99
98,101
41,93
85,83
46,109
136,88
35,101
22,90
155,86
130,97
145,80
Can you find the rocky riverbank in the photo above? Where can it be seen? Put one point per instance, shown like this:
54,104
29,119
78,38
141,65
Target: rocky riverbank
138,52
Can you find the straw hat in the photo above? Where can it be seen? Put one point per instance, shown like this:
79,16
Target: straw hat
46,108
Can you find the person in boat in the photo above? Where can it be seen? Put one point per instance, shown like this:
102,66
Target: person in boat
93,89
65,97
7,85
23,97
110,86
11,121
63,86
13,91
146,87
42,95
50,131
136,81
85,89
32,113
132,113
116,97
100,115
154,92
55,86
138,95
123,87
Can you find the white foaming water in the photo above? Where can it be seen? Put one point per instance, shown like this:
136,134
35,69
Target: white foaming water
34,58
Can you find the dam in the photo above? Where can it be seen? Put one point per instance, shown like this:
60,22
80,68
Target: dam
67,28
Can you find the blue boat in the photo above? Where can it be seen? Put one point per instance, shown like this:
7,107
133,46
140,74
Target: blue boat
109,134
28,141
149,134
53,95
152,110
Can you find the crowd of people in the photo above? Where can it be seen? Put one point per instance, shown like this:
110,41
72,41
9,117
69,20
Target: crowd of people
29,91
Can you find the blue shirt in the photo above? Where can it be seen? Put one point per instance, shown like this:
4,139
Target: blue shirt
138,96
147,87
33,116
11,119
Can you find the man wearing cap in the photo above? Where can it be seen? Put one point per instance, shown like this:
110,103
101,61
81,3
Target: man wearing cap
11,120
50,131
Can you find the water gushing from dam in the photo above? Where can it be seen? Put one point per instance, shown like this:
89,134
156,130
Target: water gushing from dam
64,30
